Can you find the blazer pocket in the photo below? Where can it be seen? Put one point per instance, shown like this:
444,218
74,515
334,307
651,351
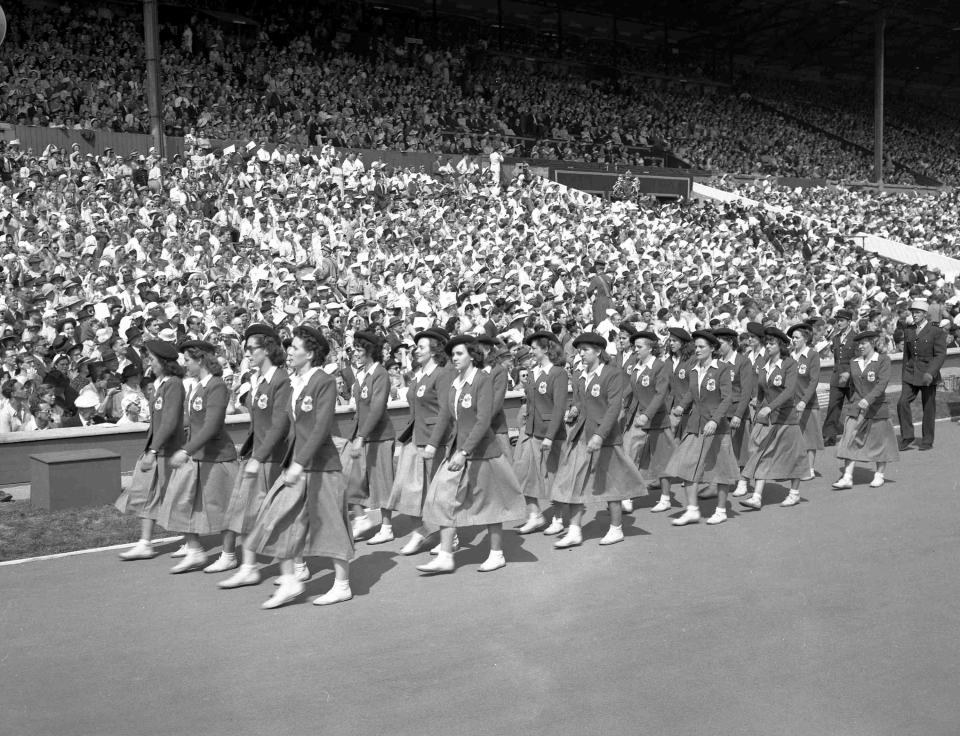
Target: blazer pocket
430,421
547,417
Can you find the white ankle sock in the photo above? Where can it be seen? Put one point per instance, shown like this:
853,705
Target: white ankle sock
616,527
444,556
664,498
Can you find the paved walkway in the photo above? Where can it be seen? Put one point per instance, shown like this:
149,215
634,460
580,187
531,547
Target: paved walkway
837,617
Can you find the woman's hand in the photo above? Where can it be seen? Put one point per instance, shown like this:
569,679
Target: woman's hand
546,444
356,447
595,443
293,474
801,405
149,460
429,452
709,428
251,467
863,404
457,461
763,414
179,459
735,422
642,422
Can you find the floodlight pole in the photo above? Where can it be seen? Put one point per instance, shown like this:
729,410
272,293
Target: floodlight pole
151,37
880,27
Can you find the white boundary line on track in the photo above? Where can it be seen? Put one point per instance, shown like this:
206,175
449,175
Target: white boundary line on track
164,540
59,555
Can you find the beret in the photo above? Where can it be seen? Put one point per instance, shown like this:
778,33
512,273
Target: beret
756,329
777,333
202,345
843,314
433,333
459,340
800,327
708,336
591,339
866,335
370,337
162,349
540,335
725,332
680,334
259,328
652,336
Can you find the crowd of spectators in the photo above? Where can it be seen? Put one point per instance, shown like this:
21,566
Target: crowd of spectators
98,256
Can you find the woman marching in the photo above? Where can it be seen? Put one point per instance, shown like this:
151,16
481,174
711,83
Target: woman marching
808,404
538,453
743,382
650,440
305,512
595,469
475,485
867,432
369,467
429,387
205,467
151,477
705,454
776,444
498,375
264,447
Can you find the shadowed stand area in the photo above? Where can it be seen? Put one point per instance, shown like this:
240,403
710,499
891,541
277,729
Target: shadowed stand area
837,616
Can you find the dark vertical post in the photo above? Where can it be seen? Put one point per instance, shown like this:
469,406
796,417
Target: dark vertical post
151,37
559,30
500,24
616,53
878,55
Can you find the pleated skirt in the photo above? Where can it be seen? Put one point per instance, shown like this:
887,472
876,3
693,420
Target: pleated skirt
197,497
872,441
591,478
370,476
704,459
484,491
654,453
536,470
811,427
147,488
505,447
247,495
776,453
306,519
740,441
412,479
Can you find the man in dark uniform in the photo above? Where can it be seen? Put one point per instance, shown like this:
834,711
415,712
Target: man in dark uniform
924,350
844,348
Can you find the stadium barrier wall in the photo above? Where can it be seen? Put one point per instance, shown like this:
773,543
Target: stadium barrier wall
128,441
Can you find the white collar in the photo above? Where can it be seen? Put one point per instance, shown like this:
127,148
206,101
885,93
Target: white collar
712,364
268,376
595,373
423,372
159,382
803,353
863,363
732,358
205,380
648,363
306,376
776,364
466,379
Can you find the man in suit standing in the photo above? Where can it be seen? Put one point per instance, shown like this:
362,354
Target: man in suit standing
843,348
924,350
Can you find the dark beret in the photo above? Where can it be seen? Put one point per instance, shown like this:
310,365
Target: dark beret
458,340
708,336
777,333
725,332
540,335
259,328
680,334
591,339
201,345
165,350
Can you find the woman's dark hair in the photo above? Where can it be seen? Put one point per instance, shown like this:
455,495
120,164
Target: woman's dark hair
553,350
319,349
170,367
8,387
437,352
207,360
475,351
274,350
655,348
784,347
373,350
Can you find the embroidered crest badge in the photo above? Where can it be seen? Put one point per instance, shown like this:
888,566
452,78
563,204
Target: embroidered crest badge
262,401
645,381
778,380
158,404
467,401
306,404
542,388
197,404
871,376
364,393
802,370
682,374
595,390
421,391
711,385
733,375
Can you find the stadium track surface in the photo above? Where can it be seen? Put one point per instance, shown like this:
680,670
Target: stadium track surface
836,617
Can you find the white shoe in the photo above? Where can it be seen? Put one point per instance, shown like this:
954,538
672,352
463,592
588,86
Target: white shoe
812,475
690,516
290,589
245,575
741,489
142,550
442,563
877,481
339,593
614,534
752,503
193,560
534,523
383,536
494,561
300,572
181,551
413,544
224,562
556,526
361,525
573,538
456,546
664,504
845,481
627,505
792,499
718,517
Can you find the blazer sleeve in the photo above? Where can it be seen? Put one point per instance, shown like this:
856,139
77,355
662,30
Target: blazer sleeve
324,406
485,391
279,421
789,392
747,386
614,404
559,404
498,379
726,396
168,419
939,352
217,399
814,370
661,385
444,419
883,378
379,395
